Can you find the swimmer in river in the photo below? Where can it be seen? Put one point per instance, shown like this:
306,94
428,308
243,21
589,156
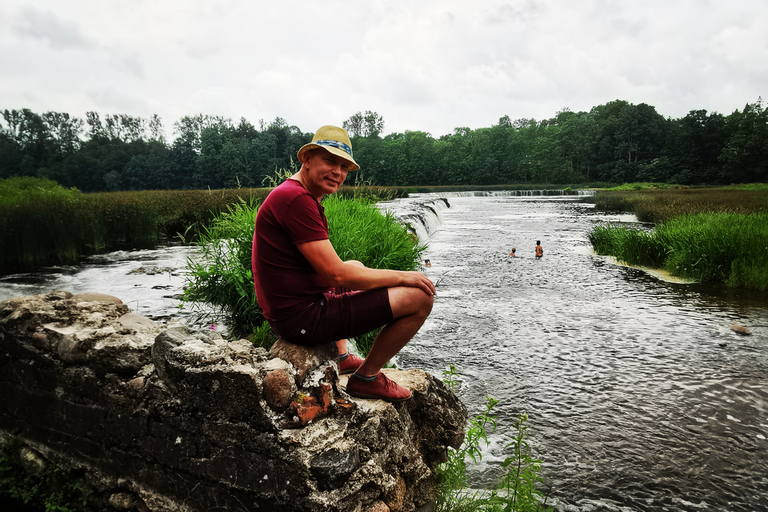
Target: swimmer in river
512,253
539,250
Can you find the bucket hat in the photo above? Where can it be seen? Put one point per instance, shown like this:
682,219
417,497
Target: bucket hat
334,140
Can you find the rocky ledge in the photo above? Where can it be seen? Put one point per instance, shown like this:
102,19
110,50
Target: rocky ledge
170,419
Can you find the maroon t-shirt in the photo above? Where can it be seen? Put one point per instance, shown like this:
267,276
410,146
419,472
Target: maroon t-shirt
284,280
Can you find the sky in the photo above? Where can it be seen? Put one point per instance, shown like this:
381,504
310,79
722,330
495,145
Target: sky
423,65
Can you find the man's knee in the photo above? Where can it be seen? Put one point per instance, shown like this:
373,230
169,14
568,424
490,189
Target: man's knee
406,301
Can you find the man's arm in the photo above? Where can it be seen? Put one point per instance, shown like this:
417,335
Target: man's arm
323,258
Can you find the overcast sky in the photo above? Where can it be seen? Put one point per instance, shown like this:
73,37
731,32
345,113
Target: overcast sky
424,65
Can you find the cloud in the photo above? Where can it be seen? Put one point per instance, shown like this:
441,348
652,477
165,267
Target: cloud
48,27
429,65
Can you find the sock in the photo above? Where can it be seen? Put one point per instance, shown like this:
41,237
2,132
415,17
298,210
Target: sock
361,378
343,356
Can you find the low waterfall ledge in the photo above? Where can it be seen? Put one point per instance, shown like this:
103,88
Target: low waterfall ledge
171,419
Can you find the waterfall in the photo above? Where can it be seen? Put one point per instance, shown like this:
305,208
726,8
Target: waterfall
421,215
421,212
510,193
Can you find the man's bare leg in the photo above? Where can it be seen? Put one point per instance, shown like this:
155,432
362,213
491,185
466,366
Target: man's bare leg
410,308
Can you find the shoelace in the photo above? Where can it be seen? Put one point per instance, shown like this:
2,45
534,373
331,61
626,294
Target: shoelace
387,383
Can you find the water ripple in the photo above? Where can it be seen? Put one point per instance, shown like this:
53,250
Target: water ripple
640,396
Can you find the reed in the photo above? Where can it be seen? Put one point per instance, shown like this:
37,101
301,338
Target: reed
61,226
359,231
42,223
659,205
220,276
730,248
632,246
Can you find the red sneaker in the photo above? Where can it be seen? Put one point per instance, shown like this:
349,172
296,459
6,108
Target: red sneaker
381,388
350,364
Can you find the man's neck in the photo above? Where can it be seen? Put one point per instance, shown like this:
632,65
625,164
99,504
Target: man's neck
300,178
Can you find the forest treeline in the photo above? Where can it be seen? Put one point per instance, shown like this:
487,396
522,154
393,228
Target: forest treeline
617,142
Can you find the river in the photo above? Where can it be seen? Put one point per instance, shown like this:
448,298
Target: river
639,395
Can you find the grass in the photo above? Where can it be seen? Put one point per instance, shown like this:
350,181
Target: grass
60,228
221,275
359,231
725,248
644,186
717,235
511,186
43,224
658,205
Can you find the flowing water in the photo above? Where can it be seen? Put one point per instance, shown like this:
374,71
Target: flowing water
149,282
640,396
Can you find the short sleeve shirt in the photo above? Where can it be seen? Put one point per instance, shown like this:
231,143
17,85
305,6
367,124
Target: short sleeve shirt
284,280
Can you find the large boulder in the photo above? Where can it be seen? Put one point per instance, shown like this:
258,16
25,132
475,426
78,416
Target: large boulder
173,419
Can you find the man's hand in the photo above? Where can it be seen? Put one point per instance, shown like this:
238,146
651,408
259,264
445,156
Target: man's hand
419,280
323,258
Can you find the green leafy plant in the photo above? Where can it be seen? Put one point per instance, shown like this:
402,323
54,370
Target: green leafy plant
450,377
519,487
453,495
220,275
220,283
263,336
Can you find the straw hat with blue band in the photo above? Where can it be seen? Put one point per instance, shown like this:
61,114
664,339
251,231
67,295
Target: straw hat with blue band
334,140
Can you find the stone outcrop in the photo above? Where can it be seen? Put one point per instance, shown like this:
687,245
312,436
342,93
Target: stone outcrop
170,419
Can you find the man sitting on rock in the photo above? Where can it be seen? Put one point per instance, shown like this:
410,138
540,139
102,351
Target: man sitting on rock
310,296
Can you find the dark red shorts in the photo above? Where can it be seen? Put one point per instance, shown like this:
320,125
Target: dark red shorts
337,316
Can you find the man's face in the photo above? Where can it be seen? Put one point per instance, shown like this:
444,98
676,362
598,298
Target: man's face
325,172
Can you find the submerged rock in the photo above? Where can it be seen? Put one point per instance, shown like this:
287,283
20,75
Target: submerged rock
740,329
175,419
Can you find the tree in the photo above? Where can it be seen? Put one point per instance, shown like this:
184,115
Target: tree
370,124
744,157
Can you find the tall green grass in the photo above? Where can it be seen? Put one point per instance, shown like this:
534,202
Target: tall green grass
659,205
42,223
221,275
26,188
47,224
359,231
725,248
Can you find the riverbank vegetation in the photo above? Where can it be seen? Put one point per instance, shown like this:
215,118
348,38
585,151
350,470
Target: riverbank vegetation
42,223
616,142
221,275
26,486
661,203
519,483
709,235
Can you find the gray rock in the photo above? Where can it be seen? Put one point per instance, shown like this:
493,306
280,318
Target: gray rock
175,419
